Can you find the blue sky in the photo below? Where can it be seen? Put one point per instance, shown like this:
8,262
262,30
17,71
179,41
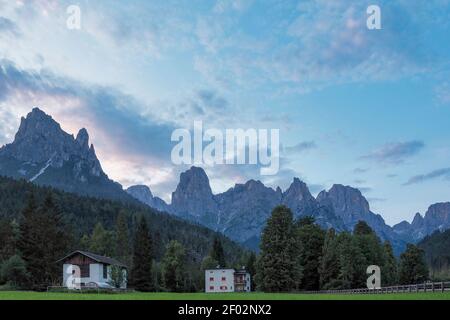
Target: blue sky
367,108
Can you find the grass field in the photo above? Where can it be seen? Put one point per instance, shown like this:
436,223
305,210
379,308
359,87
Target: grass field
24,295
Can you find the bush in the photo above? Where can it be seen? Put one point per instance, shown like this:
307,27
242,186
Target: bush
14,272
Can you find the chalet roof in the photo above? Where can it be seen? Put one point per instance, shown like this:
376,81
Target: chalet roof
95,257
242,271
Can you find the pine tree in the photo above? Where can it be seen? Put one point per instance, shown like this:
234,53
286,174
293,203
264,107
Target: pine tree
122,240
362,228
174,266
277,267
141,273
8,238
310,239
209,263
389,271
102,241
352,263
329,262
369,244
43,241
412,268
217,253
14,272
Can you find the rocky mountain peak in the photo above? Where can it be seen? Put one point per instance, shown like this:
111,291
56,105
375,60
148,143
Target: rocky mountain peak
193,194
350,205
196,176
144,195
35,123
43,153
418,220
141,192
298,190
83,139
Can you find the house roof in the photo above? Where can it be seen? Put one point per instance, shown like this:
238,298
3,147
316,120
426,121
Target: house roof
96,257
242,271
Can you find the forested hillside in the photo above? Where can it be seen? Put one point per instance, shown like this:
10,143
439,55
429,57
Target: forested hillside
437,254
106,227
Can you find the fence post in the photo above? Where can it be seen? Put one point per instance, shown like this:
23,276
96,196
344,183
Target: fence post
442,287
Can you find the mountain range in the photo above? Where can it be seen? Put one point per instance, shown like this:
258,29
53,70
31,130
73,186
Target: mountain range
46,155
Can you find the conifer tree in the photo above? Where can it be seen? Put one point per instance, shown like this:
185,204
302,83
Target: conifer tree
174,267
310,238
277,267
141,273
412,268
329,262
352,263
389,271
217,253
123,249
43,241
102,241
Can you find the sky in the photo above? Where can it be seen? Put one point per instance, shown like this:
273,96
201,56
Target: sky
359,107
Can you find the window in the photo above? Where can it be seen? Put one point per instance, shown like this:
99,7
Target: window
224,278
105,271
211,288
211,279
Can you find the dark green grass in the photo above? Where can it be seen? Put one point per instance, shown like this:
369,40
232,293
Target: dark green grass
25,295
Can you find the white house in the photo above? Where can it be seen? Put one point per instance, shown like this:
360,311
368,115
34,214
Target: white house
86,269
227,280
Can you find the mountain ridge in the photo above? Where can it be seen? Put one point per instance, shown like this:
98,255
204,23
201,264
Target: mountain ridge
43,153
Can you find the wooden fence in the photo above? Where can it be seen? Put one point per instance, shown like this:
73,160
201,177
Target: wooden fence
423,287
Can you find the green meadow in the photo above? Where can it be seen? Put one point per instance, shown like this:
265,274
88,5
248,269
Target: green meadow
26,295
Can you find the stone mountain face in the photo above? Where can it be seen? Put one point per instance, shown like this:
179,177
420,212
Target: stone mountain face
351,206
437,217
193,198
242,211
144,195
44,154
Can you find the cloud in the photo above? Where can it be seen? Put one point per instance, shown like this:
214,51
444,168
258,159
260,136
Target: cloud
318,44
8,26
360,170
365,189
395,153
301,146
371,200
436,174
127,142
442,93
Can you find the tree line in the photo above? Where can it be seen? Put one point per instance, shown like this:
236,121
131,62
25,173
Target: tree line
294,255
32,244
100,226
297,255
